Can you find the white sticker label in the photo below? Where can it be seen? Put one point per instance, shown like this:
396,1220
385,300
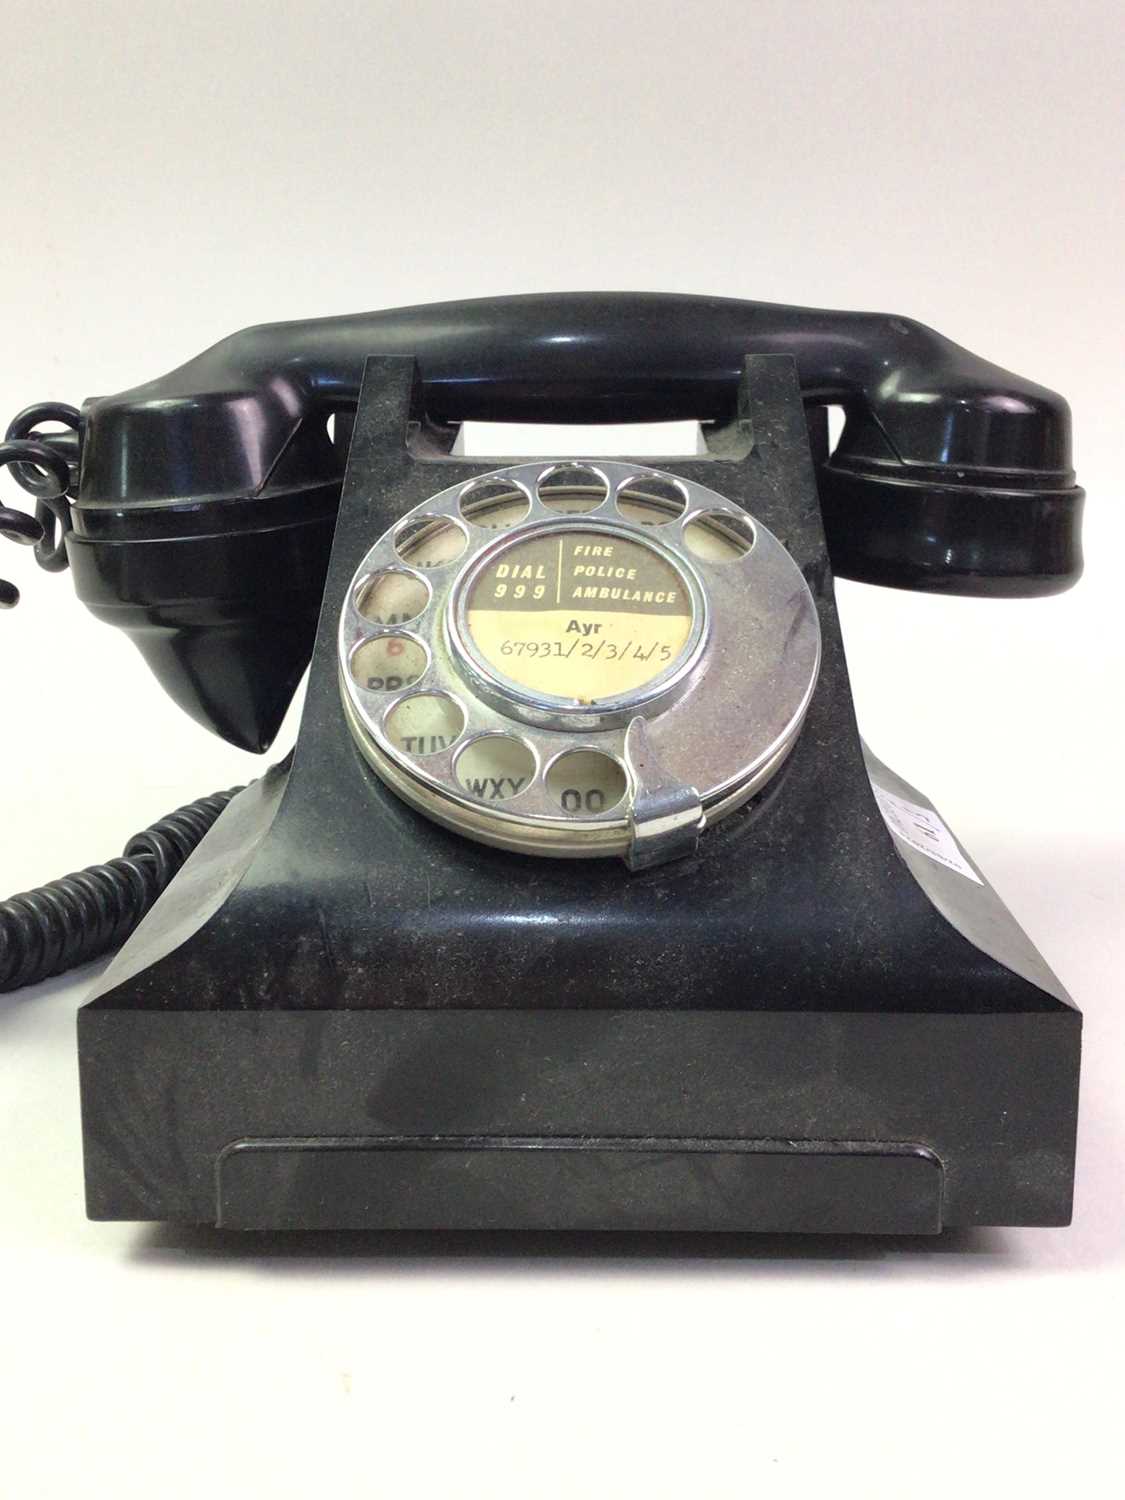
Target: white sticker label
922,829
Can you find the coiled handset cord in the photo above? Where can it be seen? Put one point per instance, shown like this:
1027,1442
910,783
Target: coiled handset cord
81,916
75,919
45,464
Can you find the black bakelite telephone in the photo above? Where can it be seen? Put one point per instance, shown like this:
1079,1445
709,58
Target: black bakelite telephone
579,903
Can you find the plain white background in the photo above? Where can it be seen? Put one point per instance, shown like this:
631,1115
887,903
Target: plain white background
172,173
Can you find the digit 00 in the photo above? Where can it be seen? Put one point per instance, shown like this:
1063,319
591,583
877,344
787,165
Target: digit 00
573,800
586,781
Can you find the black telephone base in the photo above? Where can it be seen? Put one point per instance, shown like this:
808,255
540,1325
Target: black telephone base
340,1015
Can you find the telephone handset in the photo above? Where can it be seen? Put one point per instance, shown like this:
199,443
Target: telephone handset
198,509
552,661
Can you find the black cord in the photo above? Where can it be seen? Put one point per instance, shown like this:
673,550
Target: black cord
81,916
45,464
